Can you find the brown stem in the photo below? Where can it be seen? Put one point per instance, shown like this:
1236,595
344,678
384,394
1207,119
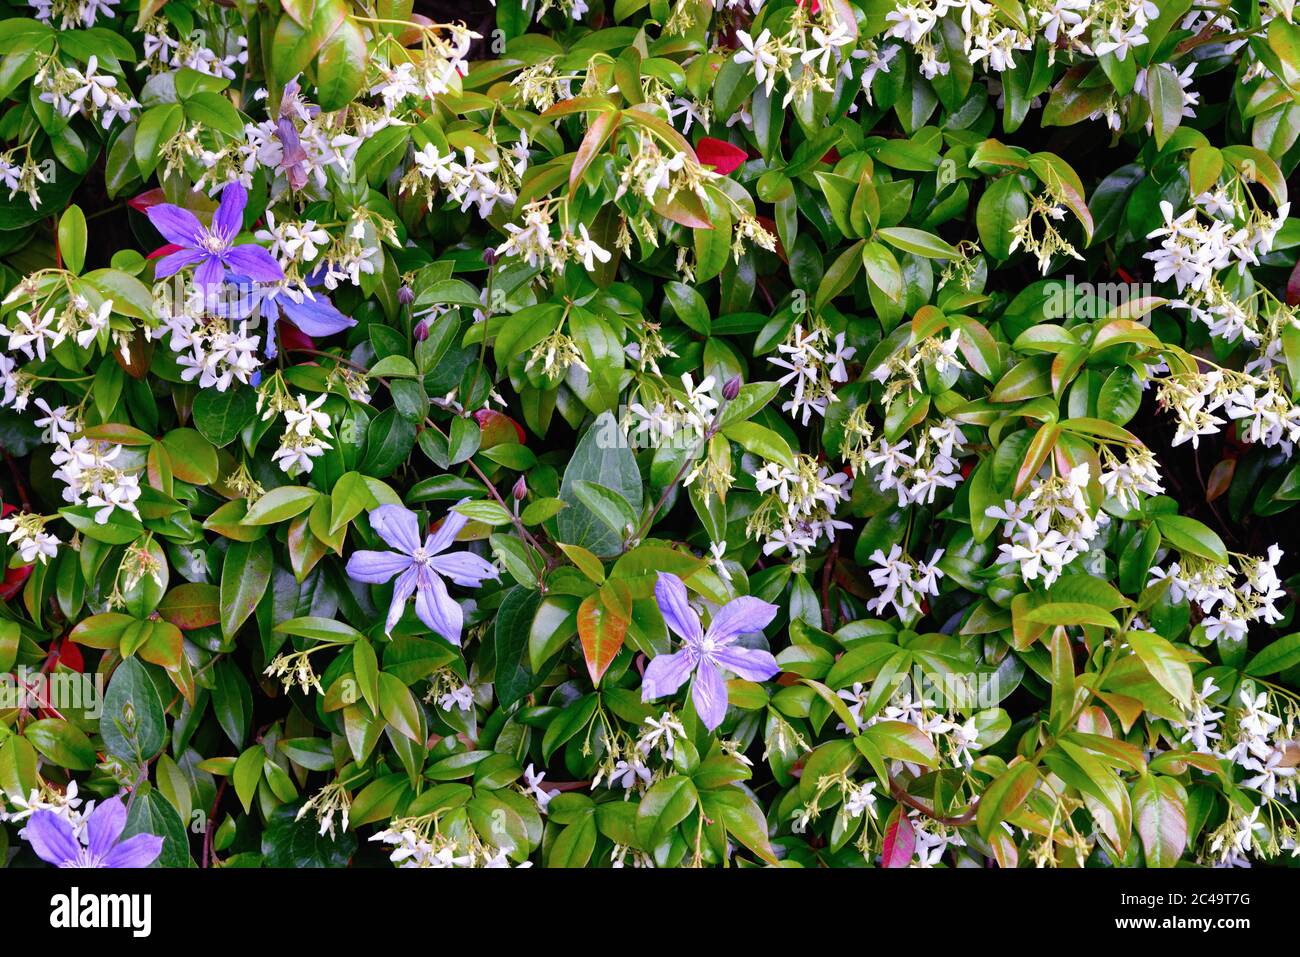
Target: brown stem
828,613
207,828
901,795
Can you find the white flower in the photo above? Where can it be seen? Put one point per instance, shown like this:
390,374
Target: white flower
588,251
759,51
533,788
32,334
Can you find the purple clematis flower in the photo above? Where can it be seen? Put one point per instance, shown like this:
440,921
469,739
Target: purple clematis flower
420,568
293,161
211,248
707,652
53,839
311,312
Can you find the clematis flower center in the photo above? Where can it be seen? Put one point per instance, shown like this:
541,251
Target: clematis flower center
212,243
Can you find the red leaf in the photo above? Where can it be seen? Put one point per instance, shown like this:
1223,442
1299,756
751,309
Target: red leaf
900,840
68,654
601,630
192,605
162,251
292,338
150,197
495,428
721,155
14,580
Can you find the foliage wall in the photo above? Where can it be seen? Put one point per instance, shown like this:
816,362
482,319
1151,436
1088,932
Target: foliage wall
673,433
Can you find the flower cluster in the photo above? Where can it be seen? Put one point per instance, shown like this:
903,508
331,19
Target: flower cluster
1051,526
624,434
798,508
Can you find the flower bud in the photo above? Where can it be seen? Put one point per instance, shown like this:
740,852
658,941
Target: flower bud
490,256
732,388
421,330
520,490
405,294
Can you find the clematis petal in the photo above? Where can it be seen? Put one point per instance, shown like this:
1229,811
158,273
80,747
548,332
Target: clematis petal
397,526
51,838
402,589
228,220
446,532
375,568
316,317
138,850
742,616
464,568
665,674
751,664
437,609
709,693
670,594
173,263
178,225
254,262
209,273
105,826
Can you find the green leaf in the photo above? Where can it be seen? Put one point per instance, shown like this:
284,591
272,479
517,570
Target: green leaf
232,701
132,725
150,813
883,270
663,806
607,505
280,505
1165,97
156,127
1192,538
762,441
320,629
555,622
1278,656
1071,613
1004,795
62,742
514,677
341,66
1164,664
917,241
1160,813
399,707
1003,204
244,576
742,818
349,498
293,842
247,774
602,457
72,238
221,416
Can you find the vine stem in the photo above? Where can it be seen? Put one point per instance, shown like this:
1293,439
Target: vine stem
207,828
709,433
900,794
